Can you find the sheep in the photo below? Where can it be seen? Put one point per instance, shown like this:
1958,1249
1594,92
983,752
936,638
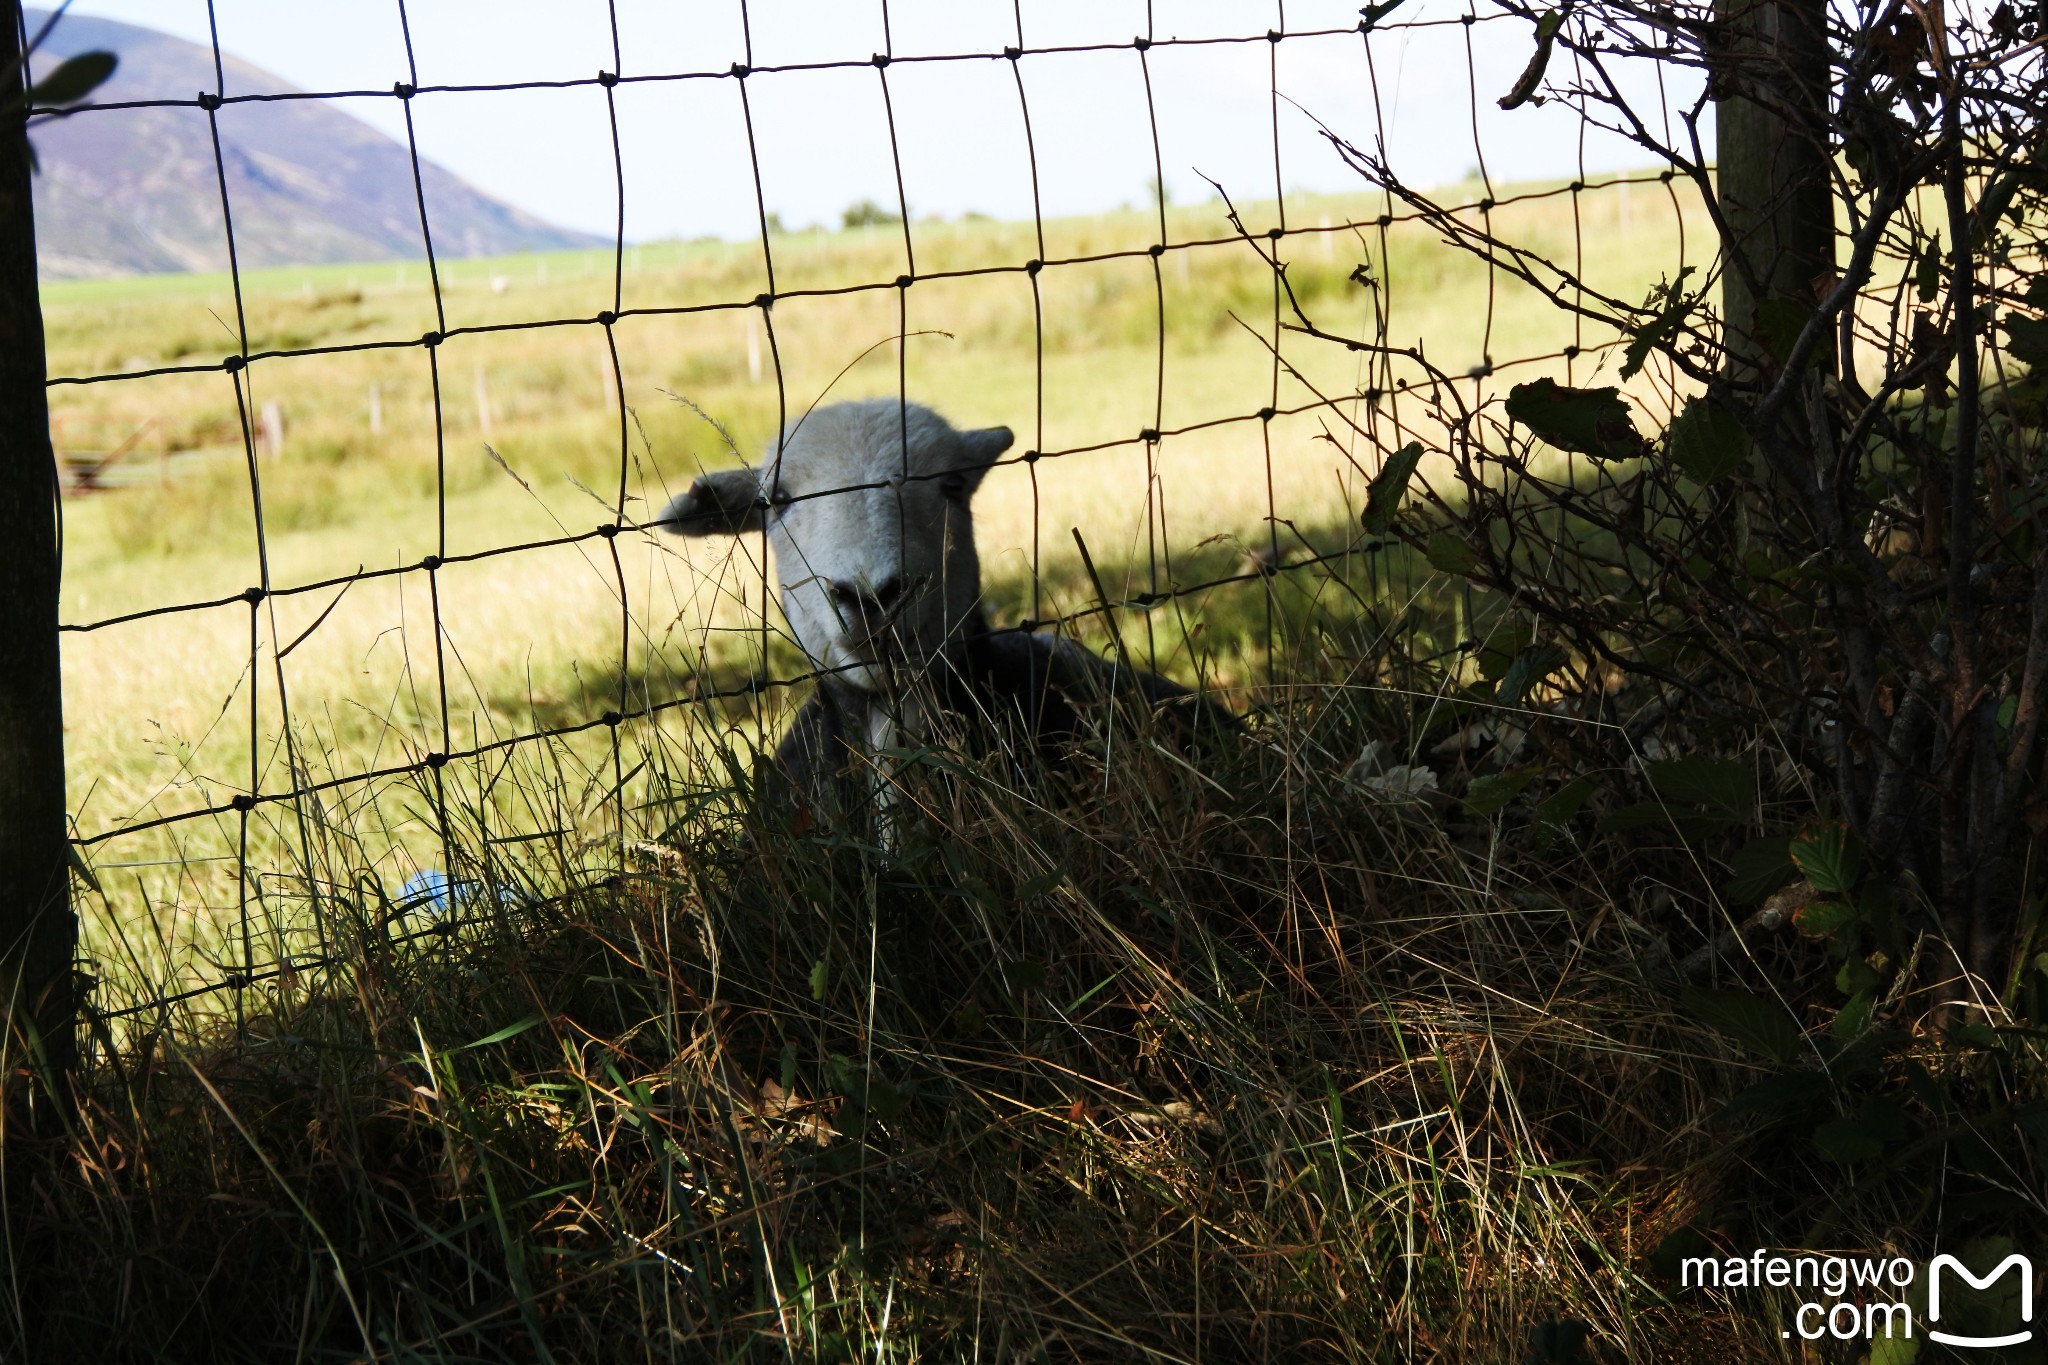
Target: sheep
866,508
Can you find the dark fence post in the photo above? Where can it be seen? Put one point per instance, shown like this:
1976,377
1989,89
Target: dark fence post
1771,128
38,932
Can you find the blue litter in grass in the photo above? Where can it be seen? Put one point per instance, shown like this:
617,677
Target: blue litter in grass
432,891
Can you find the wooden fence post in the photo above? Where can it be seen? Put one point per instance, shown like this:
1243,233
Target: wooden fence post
38,931
1771,129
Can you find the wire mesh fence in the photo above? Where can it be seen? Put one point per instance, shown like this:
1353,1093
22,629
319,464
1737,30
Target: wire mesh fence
1626,589
1272,349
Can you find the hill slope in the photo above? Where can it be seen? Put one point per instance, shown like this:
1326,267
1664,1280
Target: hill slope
135,191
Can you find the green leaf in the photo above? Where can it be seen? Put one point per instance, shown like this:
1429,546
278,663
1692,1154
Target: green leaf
1706,442
1779,323
71,82
1389,486
1724,787
1758,868
1975,1035
509,1031
846,1076
1043,884
1590,421
1927,276
1830,919
1660,329
1828,857
1758,1024
1855,976
1488,795
1558,808
821,976
1856,152
81,867
1999,197
1854,1017
1498,650
1446,553
1334,1099
1530,667
2027,339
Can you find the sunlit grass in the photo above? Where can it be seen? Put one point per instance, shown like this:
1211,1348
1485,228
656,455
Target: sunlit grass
383,462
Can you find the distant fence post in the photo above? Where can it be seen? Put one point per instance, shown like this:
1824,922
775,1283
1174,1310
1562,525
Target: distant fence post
38,931
1771,130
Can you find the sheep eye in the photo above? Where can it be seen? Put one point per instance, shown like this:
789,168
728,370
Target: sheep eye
953,489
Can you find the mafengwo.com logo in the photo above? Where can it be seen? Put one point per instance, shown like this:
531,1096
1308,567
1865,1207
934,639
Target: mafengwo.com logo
1983,1300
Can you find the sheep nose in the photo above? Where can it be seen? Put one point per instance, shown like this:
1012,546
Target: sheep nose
868,605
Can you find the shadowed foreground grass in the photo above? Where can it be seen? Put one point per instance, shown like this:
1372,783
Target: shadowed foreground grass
1362,1036
1274,1051
1136,1065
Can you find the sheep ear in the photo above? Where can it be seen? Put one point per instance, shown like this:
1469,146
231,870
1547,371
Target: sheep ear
981,449
726,503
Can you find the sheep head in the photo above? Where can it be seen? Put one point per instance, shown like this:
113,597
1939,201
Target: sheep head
866,509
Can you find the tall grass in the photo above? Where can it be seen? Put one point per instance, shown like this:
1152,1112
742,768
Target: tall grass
1238,1054
160,710
1129,1062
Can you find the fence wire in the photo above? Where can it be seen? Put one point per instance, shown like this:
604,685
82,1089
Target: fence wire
229,972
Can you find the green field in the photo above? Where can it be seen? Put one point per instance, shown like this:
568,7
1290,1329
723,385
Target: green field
160,710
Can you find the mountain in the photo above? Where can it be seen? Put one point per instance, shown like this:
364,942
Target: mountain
135,191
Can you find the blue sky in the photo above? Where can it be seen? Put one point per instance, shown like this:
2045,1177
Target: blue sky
823,136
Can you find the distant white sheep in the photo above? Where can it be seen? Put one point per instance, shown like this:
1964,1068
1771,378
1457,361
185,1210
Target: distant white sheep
866,509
